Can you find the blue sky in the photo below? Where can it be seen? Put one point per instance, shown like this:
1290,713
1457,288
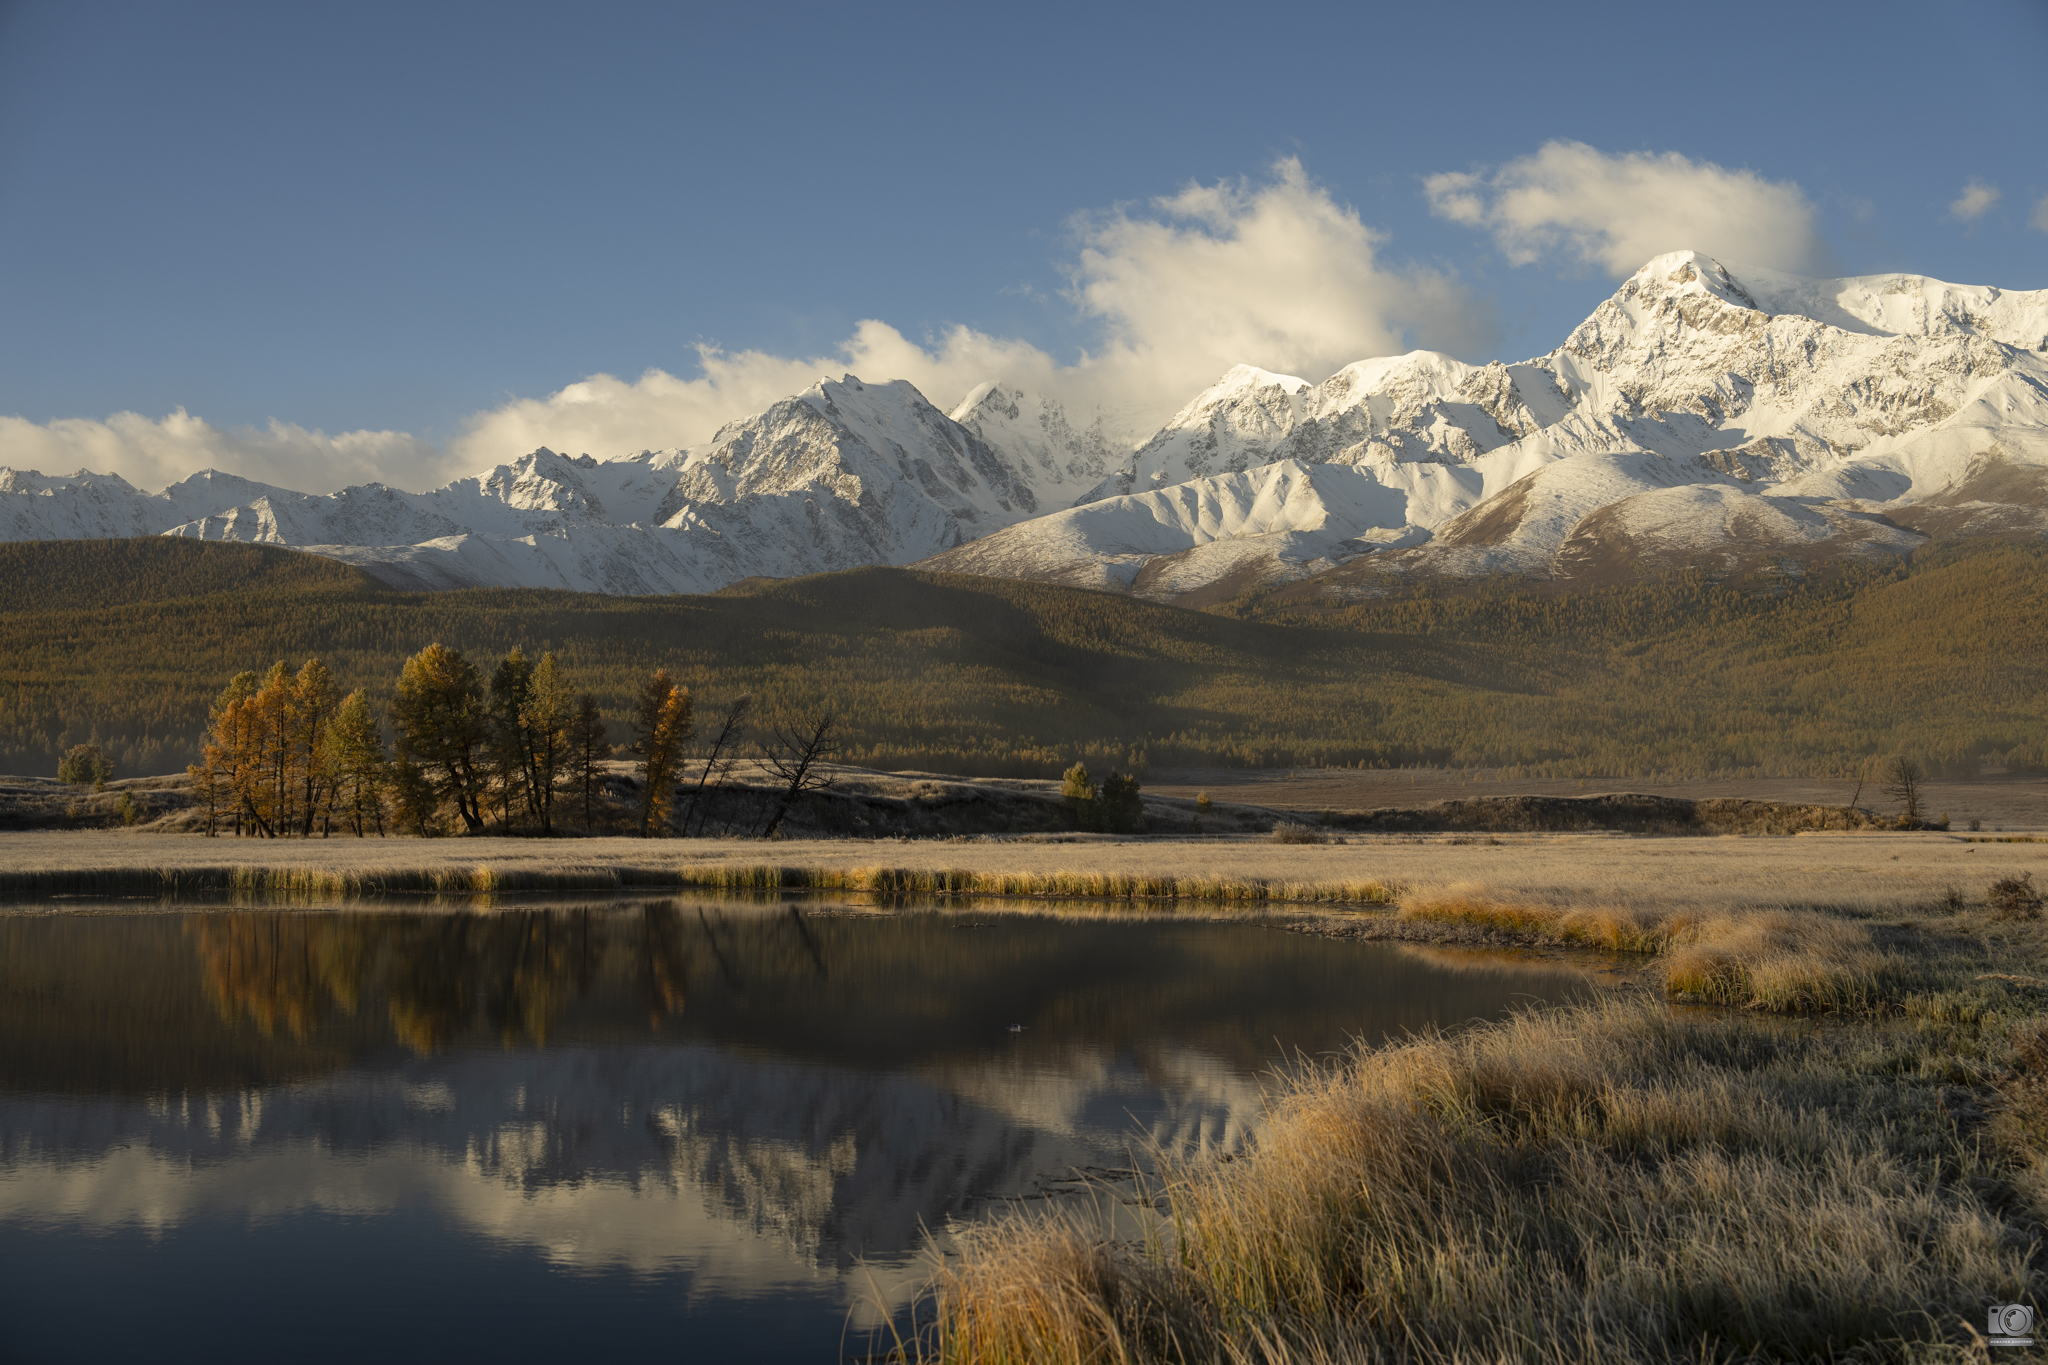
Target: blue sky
428,220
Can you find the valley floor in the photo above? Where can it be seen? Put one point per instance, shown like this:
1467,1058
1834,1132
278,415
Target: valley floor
1866,872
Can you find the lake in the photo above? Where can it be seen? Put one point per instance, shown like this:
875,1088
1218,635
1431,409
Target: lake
688,1126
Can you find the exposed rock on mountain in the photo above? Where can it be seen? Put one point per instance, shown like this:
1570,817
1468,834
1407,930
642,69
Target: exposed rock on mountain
842,475
1708,415
1722,417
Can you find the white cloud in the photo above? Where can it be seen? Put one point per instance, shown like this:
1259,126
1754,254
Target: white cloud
154,452
1274,273
1617,211
1975,201
1278,275
2038,219
607,416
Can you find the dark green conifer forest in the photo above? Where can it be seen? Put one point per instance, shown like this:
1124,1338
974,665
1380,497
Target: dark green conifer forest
126,643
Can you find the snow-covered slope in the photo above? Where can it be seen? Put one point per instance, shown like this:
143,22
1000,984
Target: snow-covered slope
1032,435
1705,414
841,475
1709,415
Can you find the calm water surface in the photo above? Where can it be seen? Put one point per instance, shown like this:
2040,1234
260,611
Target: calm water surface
691,1129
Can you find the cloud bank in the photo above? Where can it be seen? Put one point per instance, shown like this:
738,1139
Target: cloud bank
154,452
1274,272
1616,211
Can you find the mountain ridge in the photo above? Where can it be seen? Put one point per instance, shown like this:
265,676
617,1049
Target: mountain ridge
1704,415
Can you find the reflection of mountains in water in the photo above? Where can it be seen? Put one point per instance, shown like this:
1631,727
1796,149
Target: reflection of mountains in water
617,1086
829,1162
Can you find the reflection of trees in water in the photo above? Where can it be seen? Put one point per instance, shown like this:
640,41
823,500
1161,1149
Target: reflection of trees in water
285,972
513,973
437,975
664,962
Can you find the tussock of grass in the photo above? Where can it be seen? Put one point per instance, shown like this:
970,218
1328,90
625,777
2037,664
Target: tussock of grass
1785,960
1609,1182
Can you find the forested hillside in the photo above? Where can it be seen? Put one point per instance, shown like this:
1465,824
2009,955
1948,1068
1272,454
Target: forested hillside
1943,657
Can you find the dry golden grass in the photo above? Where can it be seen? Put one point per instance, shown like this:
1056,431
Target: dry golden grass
1065,883
1623,1181
1773,959
1612,1182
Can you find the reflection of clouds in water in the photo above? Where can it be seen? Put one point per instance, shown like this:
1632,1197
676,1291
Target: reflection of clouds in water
598,1224
1181,1098
746,1175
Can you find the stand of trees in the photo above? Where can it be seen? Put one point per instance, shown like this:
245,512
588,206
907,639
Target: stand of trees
1111,806
284,756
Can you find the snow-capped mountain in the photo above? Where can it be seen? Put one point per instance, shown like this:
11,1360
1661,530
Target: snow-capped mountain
1705,414
842,475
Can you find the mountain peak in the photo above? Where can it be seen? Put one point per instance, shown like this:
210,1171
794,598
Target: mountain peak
1252,377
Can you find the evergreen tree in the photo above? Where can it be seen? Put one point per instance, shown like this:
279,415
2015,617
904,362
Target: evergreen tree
444,729
1122,812
86,764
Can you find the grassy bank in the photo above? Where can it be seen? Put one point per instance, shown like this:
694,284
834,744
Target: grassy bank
488,880
1078,884
1851,1167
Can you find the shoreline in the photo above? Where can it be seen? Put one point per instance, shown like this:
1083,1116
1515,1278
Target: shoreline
1854,872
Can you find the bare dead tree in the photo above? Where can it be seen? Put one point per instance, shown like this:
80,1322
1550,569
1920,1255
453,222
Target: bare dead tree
718,766
1904,787
794,756
1849,811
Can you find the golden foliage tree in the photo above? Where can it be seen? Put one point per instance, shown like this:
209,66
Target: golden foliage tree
663,722
266,757
544,723
444,729
511,747
356,765
587,747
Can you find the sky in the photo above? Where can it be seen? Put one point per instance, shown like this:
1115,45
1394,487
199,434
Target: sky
320,245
